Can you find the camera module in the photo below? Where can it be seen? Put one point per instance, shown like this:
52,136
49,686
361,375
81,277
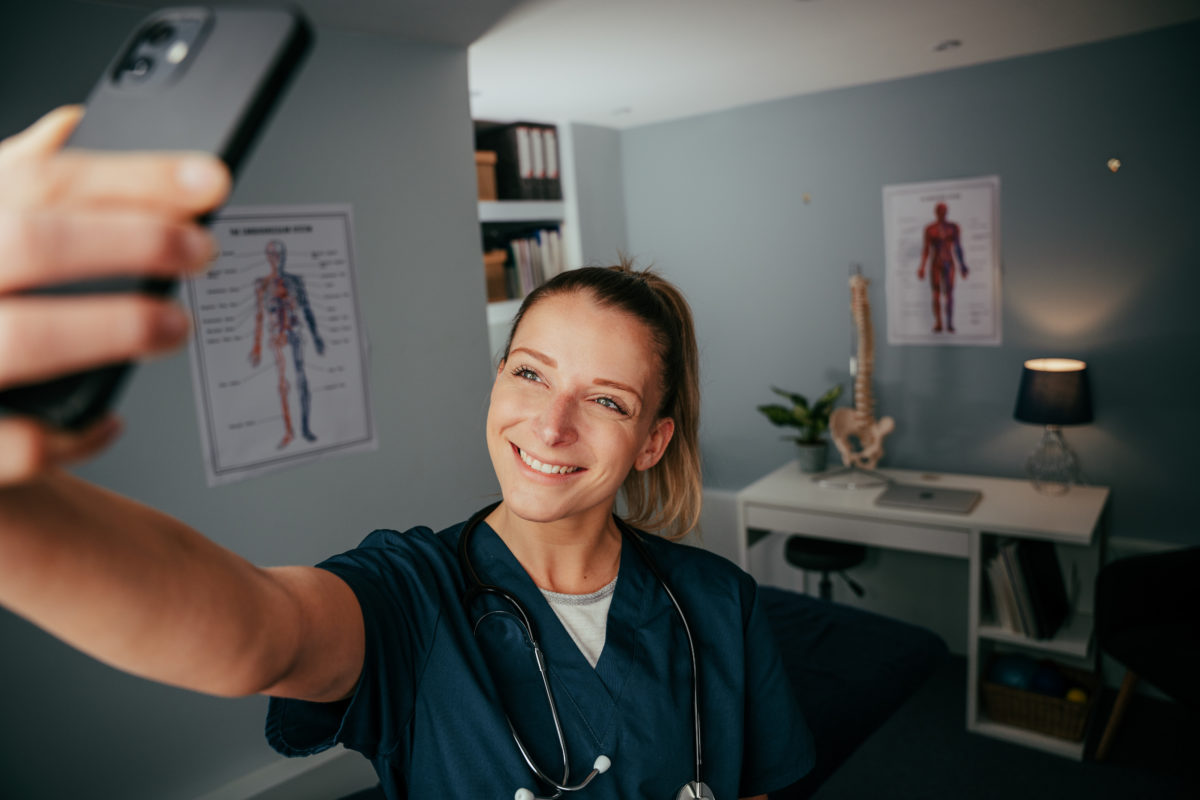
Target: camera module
160,33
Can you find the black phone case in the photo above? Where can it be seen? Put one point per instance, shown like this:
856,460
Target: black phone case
216,101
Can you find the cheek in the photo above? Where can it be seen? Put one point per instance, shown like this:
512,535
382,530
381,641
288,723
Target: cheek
508,405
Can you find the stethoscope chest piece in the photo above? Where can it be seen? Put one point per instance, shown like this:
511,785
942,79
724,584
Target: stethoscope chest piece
695,790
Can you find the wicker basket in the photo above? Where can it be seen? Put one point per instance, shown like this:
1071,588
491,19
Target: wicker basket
485,174
1052,716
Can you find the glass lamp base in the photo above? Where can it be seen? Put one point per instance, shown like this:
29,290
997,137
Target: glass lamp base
1052,466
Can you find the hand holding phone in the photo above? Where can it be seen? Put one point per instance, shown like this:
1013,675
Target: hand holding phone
189,79
73,217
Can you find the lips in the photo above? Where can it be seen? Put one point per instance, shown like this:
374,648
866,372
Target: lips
545,469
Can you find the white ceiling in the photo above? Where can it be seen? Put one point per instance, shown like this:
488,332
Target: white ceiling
622,63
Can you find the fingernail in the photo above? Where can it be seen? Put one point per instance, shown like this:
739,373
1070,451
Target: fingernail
173,324
201,247
200,174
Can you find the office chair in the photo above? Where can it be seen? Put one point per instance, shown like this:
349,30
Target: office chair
1148,619
824,556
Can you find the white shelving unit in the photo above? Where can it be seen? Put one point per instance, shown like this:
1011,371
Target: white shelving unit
788,500
500,313
1074,643
565,212
521,210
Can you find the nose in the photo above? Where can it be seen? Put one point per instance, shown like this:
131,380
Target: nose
556,422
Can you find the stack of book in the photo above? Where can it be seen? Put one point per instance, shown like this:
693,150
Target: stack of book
517,263
535,259
1029,596
527,159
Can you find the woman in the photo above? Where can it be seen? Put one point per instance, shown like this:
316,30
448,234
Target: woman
393,649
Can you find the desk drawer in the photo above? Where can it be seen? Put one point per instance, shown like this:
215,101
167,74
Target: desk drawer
922,538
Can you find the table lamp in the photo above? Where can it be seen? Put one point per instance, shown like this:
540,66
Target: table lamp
1054,392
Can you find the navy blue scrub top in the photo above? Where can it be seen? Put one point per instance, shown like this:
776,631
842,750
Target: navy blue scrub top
428,708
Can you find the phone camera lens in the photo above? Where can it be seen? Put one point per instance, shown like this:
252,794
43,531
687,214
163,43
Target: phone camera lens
160,33
140,67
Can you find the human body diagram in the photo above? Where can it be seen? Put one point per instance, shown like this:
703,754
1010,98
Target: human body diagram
280,297
942,246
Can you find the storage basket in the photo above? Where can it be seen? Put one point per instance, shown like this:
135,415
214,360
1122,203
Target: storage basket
1053,716
485,174
493,271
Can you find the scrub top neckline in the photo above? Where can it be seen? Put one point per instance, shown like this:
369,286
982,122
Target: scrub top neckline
593,692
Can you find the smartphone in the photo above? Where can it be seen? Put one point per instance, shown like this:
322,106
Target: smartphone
188,78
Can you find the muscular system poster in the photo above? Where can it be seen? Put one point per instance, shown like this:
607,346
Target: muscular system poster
279,353
942,243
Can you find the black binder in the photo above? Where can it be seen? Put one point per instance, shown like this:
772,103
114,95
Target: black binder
1047,590
513,146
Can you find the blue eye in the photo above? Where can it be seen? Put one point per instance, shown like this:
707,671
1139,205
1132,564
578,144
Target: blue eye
526,373
608,402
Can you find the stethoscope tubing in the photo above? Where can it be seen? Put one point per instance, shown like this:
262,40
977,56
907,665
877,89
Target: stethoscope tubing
476,587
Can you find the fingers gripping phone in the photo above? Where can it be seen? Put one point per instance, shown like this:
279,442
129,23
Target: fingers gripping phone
188,78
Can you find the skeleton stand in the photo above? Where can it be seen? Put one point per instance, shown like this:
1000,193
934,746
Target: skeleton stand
858,423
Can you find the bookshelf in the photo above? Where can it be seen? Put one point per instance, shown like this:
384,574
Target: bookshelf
788,500
1072,645
492,211
563,213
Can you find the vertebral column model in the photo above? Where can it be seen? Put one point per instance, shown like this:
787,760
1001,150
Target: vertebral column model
858,425
280,297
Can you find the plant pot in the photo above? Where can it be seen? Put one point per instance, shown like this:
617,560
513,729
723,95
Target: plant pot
812,456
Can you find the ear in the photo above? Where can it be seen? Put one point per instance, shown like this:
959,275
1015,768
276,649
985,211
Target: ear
656,444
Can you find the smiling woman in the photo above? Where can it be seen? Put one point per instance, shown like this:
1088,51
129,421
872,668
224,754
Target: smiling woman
652,314
655,659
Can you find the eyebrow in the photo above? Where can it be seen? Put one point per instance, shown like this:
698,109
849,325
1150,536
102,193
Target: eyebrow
550,362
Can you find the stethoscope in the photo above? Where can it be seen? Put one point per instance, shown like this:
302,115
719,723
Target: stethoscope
693,790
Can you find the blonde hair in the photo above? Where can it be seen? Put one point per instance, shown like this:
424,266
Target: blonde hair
665,498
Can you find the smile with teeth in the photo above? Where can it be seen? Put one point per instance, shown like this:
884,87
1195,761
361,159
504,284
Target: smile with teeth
547,469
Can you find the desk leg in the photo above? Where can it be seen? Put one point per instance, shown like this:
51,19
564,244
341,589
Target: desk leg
974,603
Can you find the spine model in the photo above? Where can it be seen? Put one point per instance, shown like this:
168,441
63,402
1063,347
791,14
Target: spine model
856,433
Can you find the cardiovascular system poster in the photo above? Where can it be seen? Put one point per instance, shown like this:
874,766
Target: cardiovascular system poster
279,361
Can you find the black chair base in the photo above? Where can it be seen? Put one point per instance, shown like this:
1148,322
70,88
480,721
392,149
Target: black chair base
824,556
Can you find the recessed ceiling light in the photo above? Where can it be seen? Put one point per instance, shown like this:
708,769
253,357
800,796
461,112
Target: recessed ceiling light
947,44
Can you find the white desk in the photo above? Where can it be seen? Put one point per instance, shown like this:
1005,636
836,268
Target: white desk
790,501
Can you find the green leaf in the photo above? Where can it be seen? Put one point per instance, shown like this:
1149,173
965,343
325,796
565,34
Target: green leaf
779,415
824,403
831,395
797,399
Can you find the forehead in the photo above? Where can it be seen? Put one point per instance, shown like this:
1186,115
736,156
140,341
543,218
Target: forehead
575,327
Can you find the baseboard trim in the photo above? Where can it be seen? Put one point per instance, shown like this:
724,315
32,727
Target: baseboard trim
285,777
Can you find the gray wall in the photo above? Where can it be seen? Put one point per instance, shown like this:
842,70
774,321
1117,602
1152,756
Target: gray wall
372,122
600,193
1097,266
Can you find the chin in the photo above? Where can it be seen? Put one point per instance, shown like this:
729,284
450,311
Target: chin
531,507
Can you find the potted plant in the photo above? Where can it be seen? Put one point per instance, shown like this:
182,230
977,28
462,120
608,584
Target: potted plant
812,421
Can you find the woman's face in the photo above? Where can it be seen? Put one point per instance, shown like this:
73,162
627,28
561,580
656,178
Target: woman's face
574,408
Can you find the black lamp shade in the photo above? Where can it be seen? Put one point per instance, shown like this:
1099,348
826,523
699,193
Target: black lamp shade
1054,391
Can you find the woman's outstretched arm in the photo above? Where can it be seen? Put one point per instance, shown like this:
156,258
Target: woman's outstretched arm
143,592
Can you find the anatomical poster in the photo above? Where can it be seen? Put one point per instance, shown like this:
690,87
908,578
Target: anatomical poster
942,259
279,362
